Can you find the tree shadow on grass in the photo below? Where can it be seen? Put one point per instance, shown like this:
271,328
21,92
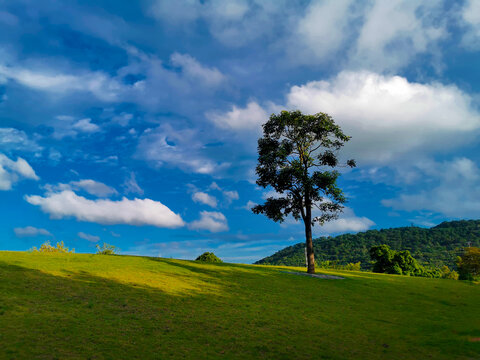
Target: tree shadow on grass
83,316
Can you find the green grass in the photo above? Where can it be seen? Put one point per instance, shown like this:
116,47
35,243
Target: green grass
81,306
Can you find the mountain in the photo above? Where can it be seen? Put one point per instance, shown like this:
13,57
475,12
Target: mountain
436,246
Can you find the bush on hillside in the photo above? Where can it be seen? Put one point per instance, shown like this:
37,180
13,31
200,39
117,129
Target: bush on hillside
386,260
469,264
449,274
47,248
208,257
107,249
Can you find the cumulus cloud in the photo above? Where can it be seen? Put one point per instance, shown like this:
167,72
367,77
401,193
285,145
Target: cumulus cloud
450,188
249,205
179,148
212,221
14,139
86,126
88,237
323,35
30,231
396,31
230,196
233,23
90,186
390,117
66,204
240,119
13,171
196,71
66,125
317,31
93,187
470,16
204,198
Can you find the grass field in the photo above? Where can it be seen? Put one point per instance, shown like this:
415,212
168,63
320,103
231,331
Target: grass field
81,306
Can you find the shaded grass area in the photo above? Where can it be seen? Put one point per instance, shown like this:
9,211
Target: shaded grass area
81,306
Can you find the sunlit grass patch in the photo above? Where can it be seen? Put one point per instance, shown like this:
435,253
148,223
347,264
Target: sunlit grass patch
93,306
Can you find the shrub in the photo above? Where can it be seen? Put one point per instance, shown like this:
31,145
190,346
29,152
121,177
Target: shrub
386,260
208,257
107,249
47,248
448,274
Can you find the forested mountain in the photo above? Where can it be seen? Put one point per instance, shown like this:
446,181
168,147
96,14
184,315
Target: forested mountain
436,246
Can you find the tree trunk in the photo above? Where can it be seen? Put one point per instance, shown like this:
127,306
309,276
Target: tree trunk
309,242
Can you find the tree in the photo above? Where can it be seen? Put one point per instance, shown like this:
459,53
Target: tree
469,264
209,257
297,157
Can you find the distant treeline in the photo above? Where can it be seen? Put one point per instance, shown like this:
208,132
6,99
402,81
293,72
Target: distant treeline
435,247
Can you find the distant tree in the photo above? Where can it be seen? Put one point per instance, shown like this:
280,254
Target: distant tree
469,264
107,249
209,257
390,261
47,248
297,156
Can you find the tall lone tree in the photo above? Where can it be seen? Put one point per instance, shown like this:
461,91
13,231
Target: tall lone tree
297,157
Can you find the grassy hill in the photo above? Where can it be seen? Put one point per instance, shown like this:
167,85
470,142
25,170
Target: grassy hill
82,306
437,246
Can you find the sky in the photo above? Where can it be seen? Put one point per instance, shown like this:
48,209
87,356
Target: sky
135,123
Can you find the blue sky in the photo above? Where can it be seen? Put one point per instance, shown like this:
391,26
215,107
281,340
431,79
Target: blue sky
135,122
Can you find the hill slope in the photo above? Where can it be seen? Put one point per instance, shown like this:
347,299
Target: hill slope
81,306
437,246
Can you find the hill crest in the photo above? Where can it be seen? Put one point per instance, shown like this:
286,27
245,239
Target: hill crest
435,246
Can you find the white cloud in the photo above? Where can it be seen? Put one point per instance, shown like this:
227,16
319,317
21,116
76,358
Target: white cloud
14,139
389,117
178,148
450,188
470,16
230,196
103,211
66,125
396,31
131,186
204,198
97,83
88,237
377,34
212,221
93,187
249,205
86,126
12,171
196,71
214,186
233,23
241,119
347,222
30,231
323,30
122,119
